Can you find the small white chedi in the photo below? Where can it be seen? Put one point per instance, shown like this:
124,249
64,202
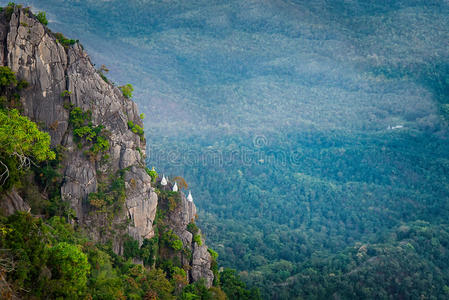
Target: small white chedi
189,197
163,181
175,187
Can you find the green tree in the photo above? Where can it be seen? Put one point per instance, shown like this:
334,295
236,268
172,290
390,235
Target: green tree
20,142
26,237
20,137
7,78
234,287
69,268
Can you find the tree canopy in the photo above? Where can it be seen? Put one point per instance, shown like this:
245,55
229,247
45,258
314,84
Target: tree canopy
21,137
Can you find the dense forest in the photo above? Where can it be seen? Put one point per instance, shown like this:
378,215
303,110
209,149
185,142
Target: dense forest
339,194
313,134
48,259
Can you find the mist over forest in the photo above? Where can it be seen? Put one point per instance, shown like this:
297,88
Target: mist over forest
313,134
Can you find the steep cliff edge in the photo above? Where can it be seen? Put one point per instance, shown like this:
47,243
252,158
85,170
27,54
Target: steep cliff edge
103,177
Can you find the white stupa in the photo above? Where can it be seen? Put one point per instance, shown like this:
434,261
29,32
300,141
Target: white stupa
175,187
163,181
189,197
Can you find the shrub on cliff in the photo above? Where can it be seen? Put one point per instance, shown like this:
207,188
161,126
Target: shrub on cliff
42,17
127,90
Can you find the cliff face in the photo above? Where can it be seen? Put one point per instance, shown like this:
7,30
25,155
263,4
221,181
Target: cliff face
33,53
63,77
178,217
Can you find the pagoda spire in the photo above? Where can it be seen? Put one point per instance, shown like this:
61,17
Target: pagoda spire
163,181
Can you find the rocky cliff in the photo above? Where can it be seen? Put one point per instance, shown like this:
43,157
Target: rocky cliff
179,216
107,187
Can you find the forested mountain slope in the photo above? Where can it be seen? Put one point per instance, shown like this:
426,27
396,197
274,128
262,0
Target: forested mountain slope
304,128
81,216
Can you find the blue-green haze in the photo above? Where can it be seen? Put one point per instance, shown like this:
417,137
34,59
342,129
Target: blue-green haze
304,128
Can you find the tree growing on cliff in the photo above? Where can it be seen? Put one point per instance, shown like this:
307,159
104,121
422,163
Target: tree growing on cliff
21,142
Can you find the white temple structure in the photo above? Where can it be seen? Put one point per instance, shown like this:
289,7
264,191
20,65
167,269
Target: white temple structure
189,197
163,181
175,187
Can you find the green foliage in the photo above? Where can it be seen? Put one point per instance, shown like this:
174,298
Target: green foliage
100,145
70,268
60,38
169,238
136,129
9,10
23,84
53,261
359,181
198,290
110,195
102,71
214,266
26,239
213,254
131,248
127,90
411,264
7,78
47,180
66,93
84,130
42,17
152,173
20,142
179,271
142,116
104,77
197,239
10,87
234,287
78,117
176,245
192,228
159,285
106,280
149,250
171,199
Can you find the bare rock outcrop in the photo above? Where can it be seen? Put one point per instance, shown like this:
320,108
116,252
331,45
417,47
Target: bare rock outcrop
12,202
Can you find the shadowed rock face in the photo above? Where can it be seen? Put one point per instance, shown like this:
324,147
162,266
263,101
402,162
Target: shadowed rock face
34,54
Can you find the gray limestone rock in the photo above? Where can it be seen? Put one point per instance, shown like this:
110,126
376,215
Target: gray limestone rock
35,55
12,202
201,262
33,52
